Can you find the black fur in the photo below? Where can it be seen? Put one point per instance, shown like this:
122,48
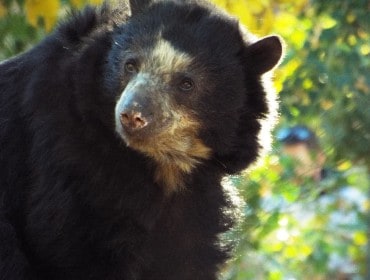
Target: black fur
75,202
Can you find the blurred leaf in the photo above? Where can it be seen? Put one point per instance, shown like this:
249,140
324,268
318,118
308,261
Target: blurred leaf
327,22
269,225
360,238
275,275
3,10
47,11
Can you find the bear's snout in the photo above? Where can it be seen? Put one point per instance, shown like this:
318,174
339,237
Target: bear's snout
133,120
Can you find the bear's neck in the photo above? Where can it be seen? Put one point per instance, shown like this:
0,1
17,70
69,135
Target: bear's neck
172,170
175,160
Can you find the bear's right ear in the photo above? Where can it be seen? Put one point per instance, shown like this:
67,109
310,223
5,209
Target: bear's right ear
263,55
138,6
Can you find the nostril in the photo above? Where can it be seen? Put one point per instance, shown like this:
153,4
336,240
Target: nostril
133,120
139,121
125,119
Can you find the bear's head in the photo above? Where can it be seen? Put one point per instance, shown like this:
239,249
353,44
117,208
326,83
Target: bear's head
190,87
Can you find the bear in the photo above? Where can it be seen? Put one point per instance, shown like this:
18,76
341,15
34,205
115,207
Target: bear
116,131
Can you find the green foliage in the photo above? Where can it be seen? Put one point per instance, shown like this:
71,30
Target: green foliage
331,89
300,229
15,33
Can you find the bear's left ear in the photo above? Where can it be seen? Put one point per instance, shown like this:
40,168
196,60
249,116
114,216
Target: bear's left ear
263,55
138,6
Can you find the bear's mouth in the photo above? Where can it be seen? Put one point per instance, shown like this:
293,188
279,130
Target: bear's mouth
145,134
174,145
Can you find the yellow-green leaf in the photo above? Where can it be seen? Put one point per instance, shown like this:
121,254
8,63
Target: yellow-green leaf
327,22
2,10
47,10
359,238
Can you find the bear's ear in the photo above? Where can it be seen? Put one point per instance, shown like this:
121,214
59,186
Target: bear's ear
264,55
138,6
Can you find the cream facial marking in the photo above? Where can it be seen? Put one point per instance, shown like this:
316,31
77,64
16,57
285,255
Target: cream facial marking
176,149
164,58
172,140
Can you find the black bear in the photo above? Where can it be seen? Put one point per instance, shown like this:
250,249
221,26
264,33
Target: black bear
115,133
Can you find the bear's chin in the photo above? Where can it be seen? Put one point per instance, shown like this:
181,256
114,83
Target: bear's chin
174,151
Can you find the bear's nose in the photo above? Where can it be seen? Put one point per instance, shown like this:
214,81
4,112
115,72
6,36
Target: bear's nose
133,120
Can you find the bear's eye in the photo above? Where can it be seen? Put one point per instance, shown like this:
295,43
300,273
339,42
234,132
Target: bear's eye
186,84
131,66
